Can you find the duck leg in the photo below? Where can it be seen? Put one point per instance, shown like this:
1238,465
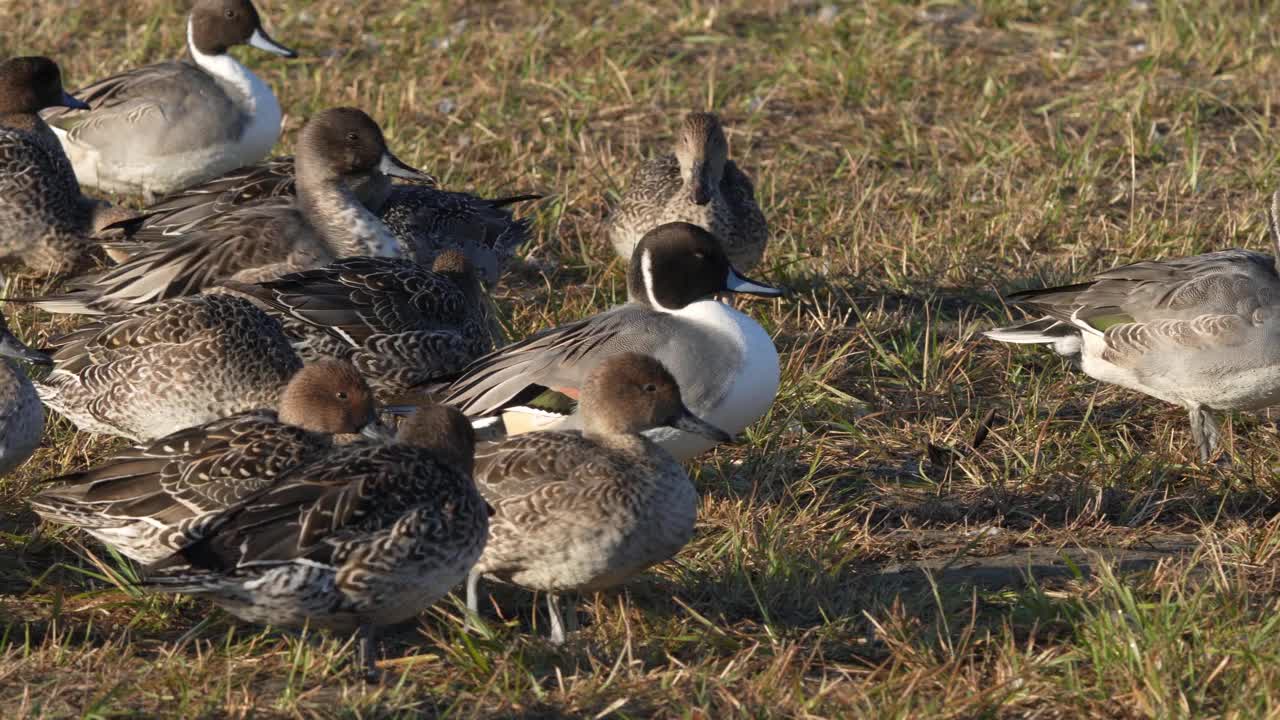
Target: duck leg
557,620
367,649
571,617
1204,431
473,601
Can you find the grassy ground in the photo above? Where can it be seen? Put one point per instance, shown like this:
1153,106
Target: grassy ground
856,555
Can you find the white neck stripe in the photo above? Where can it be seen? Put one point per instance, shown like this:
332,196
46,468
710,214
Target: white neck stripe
646,275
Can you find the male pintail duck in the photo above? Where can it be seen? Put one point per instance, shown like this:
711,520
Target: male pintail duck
697,184
586,510
424,219
1202,332
725,363
400,324
44,220
265,239
163,127
21,414
150,500
174,365
367,535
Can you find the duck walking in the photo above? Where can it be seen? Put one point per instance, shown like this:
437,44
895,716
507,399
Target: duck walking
265,239
1202,332
724,361
21,414
45,221
369,535
400,324
586,510
159,128
697,184
151,500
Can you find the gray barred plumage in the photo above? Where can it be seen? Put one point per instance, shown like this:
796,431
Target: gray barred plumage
697,184
585,511
155,499
263,239
45,221
370,534
402,325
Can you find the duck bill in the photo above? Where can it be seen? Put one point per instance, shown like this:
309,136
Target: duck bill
72,102
700,187
395,167
12,347
261,40
376,431
691,423
736,283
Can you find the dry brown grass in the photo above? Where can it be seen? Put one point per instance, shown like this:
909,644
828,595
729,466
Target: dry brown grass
855,556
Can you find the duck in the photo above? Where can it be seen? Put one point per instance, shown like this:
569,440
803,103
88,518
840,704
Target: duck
400,324
698,184
149,501
426,219
368,535
177,364
45,221
584,510
265,239
159,128
1200,332
724,361
21,413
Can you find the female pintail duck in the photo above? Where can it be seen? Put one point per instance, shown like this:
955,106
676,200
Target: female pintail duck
725,363
697,184
426,220
44,220
400,324
21,415
265,239
163,127
368,535
586,510
149,500
174,365
1202,332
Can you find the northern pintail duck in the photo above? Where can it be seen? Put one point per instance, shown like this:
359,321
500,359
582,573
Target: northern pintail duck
44,220
368,535
725,363
400,324
697,184
264,239
585,510
1200,332
425,219
21,414
173,365
151,500
163,127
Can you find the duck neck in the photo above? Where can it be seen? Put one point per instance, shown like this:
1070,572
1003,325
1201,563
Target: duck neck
345,224
32,123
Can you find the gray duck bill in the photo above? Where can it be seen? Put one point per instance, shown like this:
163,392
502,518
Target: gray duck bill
395,167
737,283
263,41
11,346
689,422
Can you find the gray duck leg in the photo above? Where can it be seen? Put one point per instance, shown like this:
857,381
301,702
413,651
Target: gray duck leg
1204,431
473,601
557,620
367,649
